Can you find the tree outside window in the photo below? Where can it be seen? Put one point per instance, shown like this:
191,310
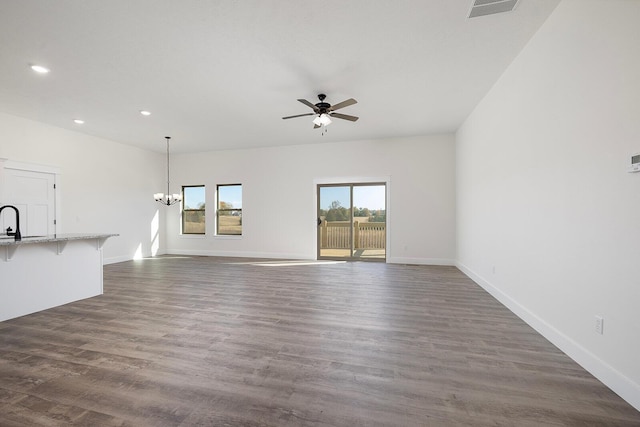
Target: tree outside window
229,210
193,209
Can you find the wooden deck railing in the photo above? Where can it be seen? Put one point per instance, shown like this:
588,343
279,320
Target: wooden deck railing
366,235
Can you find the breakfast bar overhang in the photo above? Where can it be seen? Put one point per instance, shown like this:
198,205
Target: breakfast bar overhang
37,273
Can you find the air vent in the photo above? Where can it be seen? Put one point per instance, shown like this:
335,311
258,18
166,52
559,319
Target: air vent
489,7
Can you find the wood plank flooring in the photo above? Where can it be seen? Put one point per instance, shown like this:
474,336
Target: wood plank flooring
203,341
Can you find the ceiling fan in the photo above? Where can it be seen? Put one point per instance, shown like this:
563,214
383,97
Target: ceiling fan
326,111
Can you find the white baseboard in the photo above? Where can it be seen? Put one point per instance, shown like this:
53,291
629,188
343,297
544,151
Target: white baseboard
113,260
420,261
276,255
242,254
123,258
612,378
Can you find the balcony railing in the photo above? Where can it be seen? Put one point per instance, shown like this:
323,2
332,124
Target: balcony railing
366,235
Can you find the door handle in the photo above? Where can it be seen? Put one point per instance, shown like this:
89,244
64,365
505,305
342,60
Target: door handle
319,222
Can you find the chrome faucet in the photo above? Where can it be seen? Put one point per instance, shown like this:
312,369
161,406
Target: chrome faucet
16,234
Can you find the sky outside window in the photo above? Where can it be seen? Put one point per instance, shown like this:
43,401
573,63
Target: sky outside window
366,196
193,197
231,194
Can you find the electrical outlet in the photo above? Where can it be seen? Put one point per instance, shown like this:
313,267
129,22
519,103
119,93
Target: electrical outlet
599,325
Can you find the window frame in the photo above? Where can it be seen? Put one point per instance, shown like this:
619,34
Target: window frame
218,210
203,210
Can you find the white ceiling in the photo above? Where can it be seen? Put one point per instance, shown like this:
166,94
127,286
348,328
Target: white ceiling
220,74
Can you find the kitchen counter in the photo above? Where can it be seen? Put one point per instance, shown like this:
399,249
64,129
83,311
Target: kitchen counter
10,241
11,245
42,272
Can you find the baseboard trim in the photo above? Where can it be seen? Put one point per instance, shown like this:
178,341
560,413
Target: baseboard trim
123,258
114,260
612,378
394,260
243,254
421,261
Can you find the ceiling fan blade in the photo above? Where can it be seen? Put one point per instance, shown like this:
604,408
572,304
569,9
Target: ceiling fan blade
343,104
308,104
299,115
344,117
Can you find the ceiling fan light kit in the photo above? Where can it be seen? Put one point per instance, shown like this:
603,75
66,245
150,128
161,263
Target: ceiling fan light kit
324,111
322,120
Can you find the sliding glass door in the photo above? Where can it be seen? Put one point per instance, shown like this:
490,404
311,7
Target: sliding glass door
352,221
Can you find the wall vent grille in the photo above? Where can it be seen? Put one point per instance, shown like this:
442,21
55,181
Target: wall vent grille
490,7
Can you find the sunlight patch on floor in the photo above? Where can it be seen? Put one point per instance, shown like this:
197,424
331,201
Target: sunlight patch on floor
291,263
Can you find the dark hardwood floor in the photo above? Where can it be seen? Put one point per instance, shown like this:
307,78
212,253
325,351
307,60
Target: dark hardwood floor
201,341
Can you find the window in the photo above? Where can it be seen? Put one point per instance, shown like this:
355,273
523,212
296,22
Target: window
193,209
229,221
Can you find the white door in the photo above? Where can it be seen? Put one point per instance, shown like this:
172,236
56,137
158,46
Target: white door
33,193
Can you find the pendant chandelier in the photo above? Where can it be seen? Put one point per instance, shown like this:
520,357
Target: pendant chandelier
168,198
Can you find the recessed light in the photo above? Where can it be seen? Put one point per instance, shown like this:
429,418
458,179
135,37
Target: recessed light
145,112
40,69
78,121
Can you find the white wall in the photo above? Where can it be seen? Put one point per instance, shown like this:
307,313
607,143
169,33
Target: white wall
548,218
279,200
107,187
104,187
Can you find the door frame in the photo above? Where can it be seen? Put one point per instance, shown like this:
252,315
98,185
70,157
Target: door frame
386,180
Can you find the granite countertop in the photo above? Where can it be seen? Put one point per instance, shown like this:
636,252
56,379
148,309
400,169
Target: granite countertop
10,240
